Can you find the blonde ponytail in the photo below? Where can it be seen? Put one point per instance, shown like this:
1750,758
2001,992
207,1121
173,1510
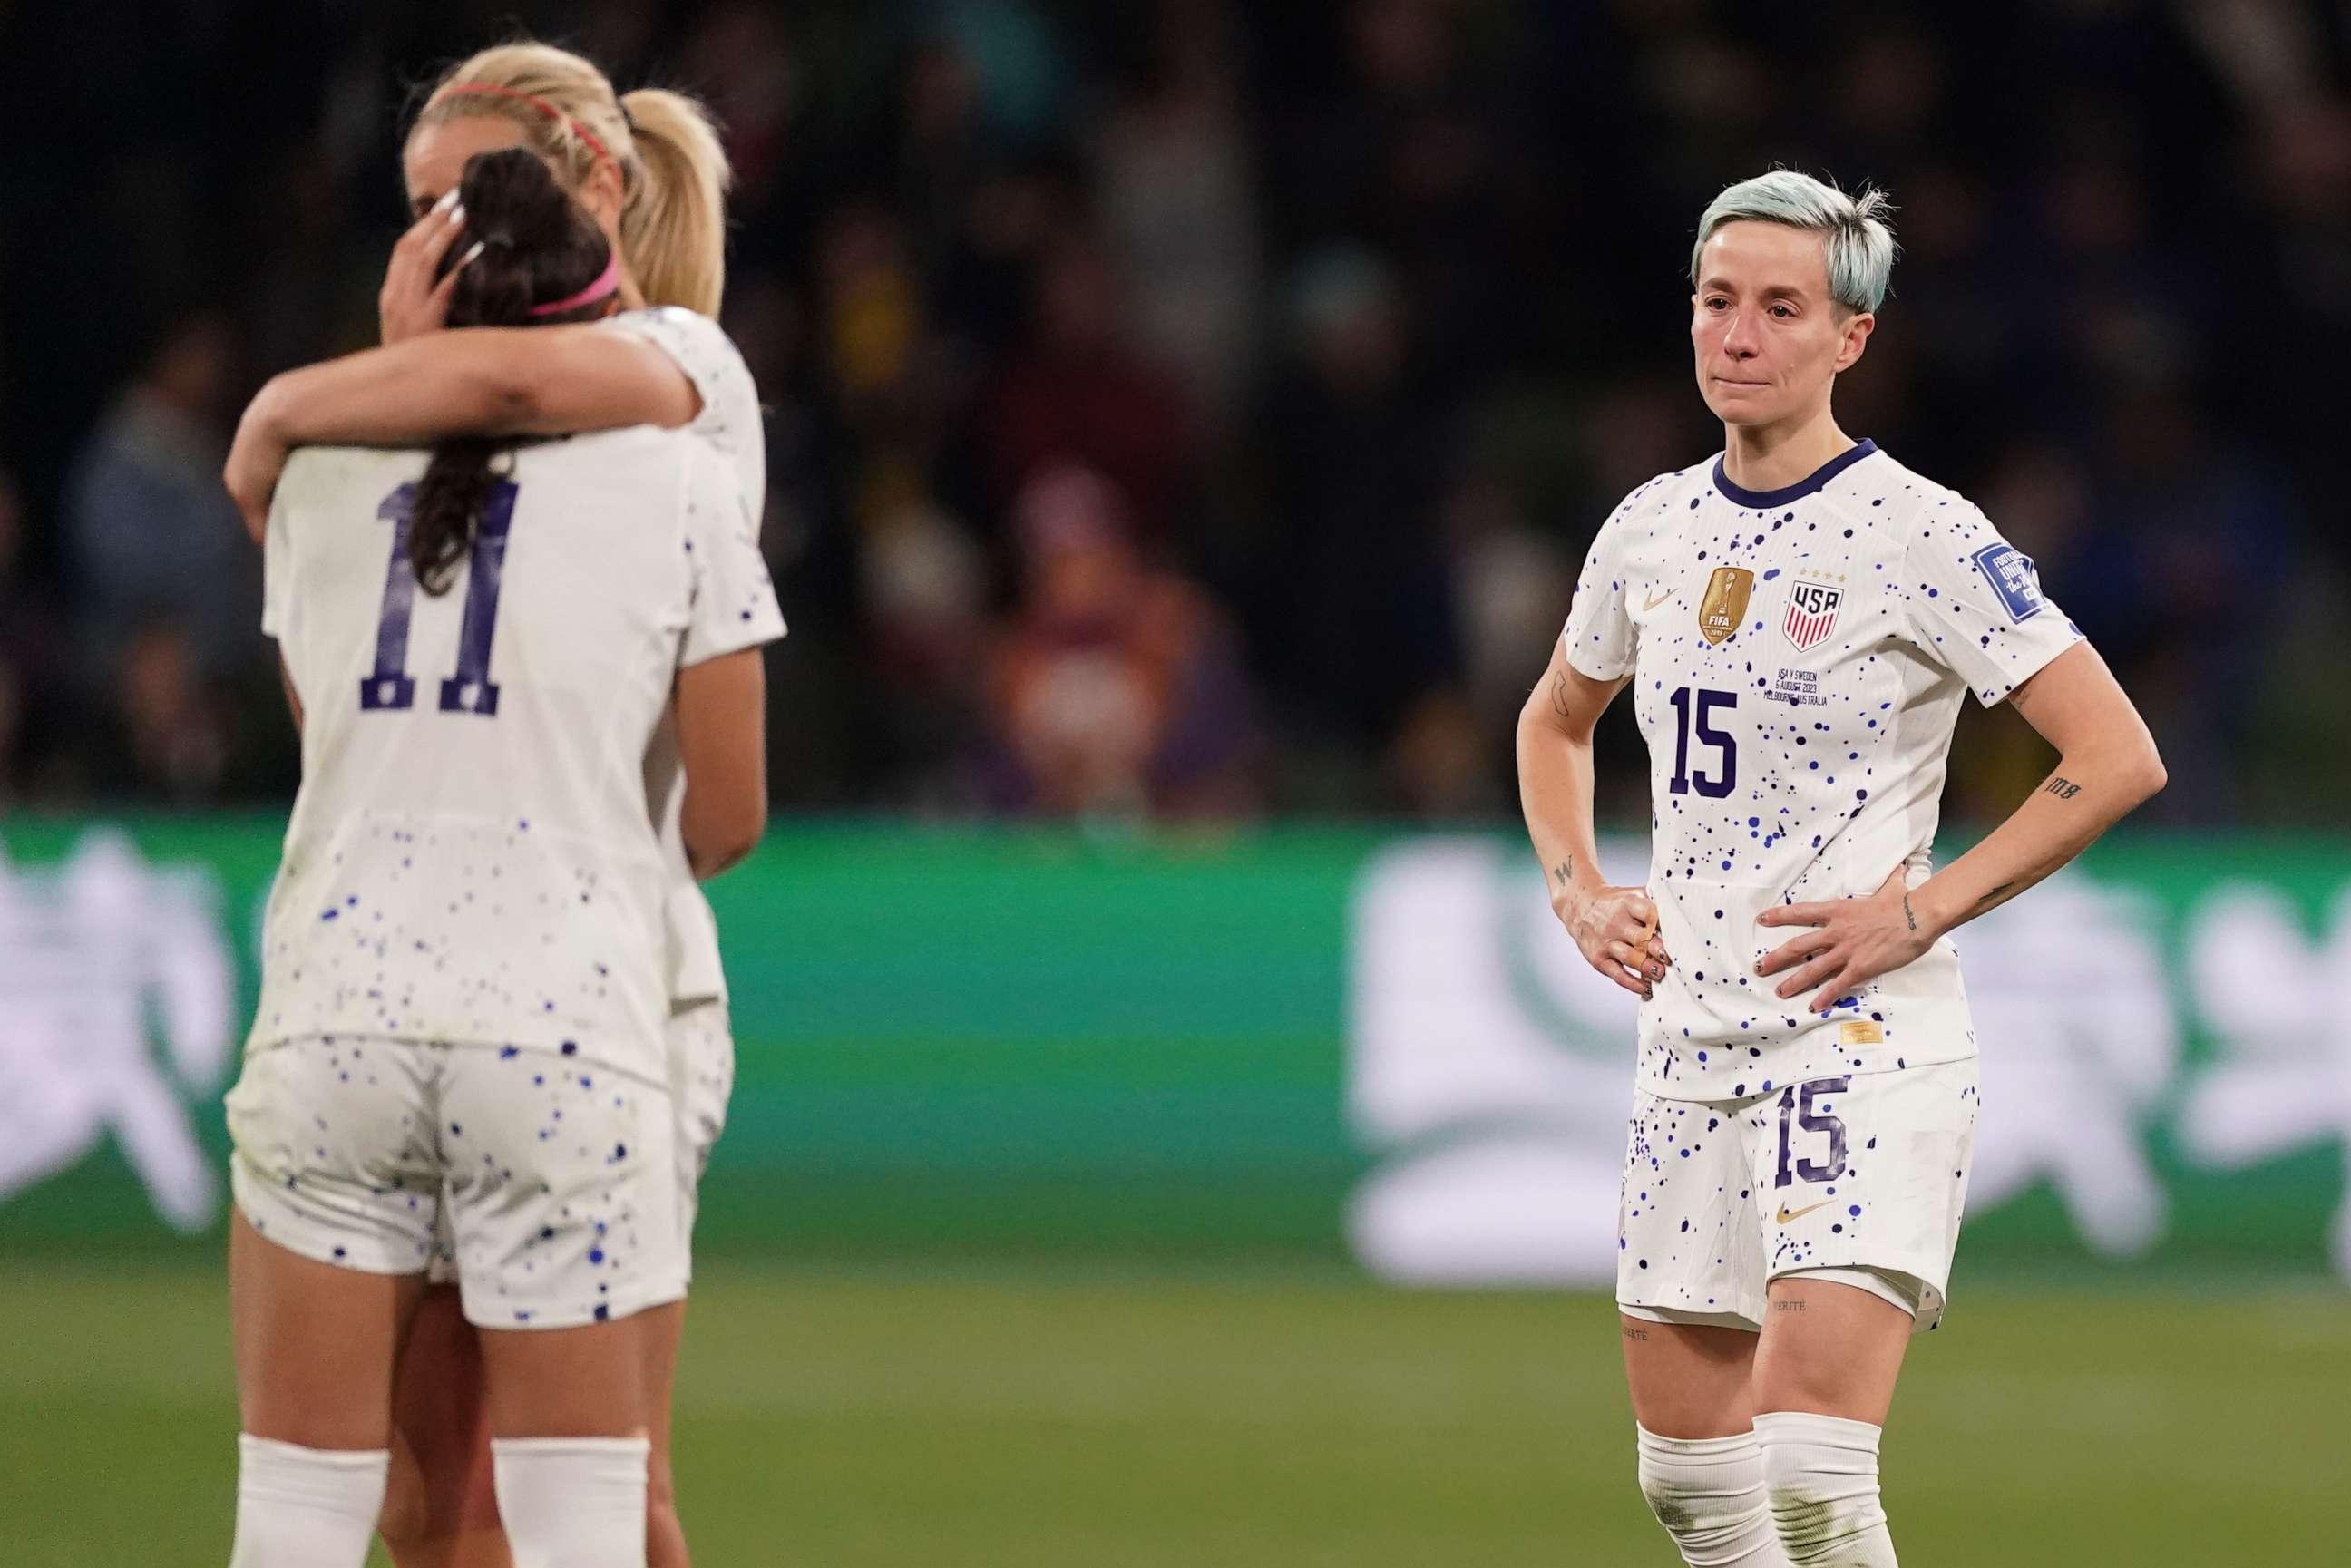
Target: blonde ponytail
674,223
673,172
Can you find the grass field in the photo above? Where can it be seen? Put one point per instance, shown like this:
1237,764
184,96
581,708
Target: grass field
1169,1421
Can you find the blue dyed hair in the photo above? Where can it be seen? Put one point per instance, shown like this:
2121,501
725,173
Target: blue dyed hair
1855,239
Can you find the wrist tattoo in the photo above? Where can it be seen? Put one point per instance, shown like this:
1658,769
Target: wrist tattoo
2063,789
1905,911
1564,870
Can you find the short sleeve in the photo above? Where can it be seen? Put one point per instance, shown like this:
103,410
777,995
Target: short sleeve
1600,638
277,565
729,420
1973,603
734,604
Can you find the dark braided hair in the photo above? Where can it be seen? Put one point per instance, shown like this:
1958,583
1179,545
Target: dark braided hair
537,246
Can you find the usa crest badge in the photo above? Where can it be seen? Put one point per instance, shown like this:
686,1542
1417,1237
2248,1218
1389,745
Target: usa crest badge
1812,612
1725,604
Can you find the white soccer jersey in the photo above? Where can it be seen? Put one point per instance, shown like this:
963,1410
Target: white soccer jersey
471,857
730,423
1798,658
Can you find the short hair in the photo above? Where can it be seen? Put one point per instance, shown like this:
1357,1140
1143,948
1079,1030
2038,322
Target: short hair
1855,240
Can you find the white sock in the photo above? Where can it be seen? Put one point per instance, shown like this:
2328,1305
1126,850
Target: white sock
572,1502
1708,1494
304,1508
1821,1474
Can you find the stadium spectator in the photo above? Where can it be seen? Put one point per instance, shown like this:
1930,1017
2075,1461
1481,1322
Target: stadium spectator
1355,303
1115,688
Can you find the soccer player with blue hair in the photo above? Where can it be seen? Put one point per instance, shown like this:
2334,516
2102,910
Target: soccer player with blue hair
1799,619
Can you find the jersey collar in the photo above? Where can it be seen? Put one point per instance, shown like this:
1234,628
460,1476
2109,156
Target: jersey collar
1811,484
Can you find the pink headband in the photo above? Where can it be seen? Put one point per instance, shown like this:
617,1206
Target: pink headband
492,89
606,282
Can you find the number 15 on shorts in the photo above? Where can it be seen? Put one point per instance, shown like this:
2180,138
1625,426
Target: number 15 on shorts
1805,1114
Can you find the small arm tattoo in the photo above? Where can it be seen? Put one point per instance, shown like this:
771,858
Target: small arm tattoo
1905,911
1559,702
1995,896
2063,789
1632,1333
1564,870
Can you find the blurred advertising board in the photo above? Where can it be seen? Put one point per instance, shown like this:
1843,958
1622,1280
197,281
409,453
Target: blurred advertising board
1289,1045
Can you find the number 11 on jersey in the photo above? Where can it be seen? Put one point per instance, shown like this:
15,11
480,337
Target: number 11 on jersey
389,688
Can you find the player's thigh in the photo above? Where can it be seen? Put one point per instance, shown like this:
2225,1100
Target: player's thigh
1689,1380
660,1329
440,1507
584,1382
316,1344
1830,1348
335,1204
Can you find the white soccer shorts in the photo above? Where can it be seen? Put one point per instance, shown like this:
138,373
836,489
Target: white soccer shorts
701,1056
700,1082
557,1178
1860,1178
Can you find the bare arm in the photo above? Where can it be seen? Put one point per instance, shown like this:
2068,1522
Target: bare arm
483,380
2106,765
1616,927
722,740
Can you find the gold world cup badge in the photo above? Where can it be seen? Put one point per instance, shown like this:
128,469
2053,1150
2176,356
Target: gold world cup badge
1725,605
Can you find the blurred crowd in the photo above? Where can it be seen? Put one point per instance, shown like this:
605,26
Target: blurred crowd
1198,410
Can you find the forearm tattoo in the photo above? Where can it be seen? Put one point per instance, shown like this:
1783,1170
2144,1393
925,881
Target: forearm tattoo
1995,896
2063,789
1905,911
1566,872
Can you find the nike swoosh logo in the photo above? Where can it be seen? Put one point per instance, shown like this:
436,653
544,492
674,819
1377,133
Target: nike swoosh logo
1660,599
1788,1217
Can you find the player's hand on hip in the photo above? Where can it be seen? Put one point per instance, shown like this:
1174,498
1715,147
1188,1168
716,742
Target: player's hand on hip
1848,943
1616,930
415,298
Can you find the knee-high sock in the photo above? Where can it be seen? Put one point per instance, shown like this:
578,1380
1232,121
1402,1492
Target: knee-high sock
572,1502
1708,1494
1821,1474
304,1508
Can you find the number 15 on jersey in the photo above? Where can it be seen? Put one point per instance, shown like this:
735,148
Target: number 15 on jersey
1694,711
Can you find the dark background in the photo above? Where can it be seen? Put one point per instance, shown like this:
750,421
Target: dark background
1197,410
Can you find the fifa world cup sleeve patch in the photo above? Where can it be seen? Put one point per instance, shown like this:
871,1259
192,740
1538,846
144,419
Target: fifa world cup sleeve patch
2010,573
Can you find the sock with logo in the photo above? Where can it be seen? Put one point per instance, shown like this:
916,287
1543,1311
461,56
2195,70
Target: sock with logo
1708,1494
1821,1472
573,1502
304,1508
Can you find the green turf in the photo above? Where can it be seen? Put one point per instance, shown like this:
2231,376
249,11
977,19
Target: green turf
926,1420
